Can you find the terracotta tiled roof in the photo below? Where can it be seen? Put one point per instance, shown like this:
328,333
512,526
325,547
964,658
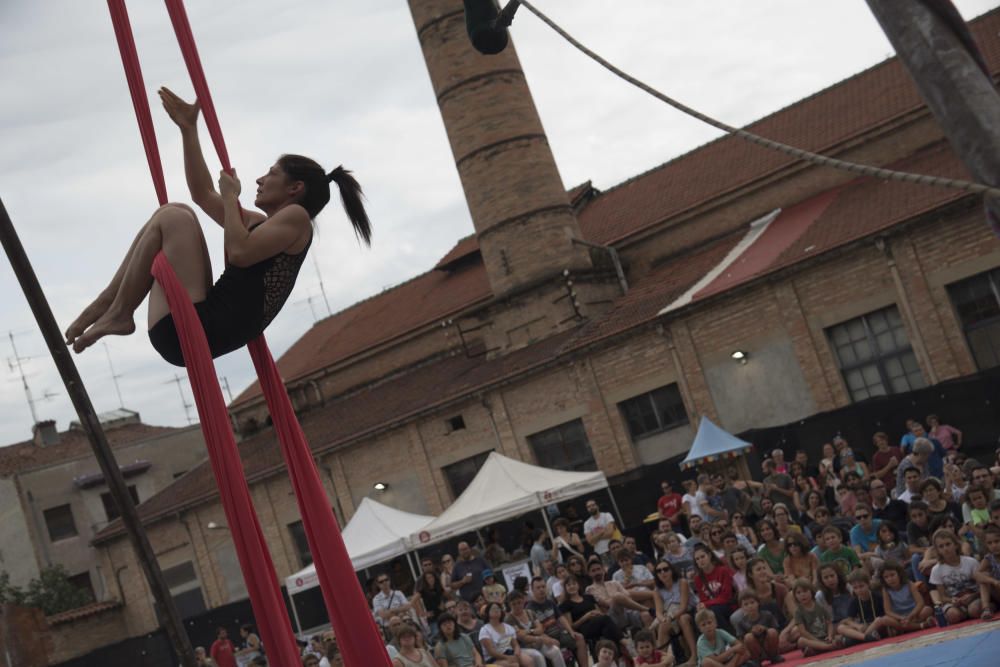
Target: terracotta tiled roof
423,300
83,612
655,290
834,218
72,444
818,123
869,206
462,249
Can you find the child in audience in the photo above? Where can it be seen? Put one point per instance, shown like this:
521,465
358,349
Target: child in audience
606,653
955,589
866,619
918,539
716,647
815,621
833,592
988,574
738,560
979,508
890,546
493,591
758,628
645,647
902,599
836,553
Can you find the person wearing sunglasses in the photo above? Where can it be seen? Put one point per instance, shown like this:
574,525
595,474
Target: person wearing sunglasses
388,602
864,533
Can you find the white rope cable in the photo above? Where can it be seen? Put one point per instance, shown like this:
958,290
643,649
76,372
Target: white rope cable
815,158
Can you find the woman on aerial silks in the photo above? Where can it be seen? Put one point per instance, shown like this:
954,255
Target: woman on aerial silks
264,250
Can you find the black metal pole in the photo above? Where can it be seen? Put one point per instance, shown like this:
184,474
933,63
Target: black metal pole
935,48
95,433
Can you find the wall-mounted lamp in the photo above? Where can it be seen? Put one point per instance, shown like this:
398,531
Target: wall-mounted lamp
381,486
211,525
740,356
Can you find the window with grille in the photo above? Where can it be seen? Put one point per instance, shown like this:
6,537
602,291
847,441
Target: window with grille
302,550
564,447
977,303
654,412
59,521
875,356
111,507
461,473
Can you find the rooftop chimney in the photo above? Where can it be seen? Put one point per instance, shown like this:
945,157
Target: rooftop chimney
44,433
522,214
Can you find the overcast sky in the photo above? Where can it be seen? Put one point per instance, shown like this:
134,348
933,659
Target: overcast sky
344,82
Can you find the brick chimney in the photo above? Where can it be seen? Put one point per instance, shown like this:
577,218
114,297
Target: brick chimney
520,209
44,433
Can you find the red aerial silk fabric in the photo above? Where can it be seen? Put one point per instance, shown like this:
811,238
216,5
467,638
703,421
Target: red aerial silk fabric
359,639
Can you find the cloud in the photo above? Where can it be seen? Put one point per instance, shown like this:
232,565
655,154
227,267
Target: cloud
346,83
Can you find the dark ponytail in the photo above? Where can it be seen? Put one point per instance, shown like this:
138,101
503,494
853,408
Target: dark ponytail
351,197
316,193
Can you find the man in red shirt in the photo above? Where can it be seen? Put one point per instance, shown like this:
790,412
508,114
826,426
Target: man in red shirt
222,649
670,504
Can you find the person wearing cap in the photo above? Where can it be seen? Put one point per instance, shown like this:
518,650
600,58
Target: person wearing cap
493,591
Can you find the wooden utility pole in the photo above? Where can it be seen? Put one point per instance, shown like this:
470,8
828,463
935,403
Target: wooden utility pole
933,44
95,433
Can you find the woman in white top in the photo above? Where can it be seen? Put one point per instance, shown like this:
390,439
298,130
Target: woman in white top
251,646
499,641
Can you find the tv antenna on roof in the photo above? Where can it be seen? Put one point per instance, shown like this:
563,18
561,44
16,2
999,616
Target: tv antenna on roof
114,376
15,364
322,288
178,380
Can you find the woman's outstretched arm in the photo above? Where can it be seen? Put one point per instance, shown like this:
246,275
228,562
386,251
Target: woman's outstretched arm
199,179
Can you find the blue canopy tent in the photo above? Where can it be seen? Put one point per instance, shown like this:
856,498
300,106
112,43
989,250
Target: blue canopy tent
713,444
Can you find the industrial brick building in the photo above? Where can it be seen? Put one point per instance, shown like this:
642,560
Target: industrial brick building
580,328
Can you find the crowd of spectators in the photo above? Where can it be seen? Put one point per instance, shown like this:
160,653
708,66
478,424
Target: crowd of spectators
862,544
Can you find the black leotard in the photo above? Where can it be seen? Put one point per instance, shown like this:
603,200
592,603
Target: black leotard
237,308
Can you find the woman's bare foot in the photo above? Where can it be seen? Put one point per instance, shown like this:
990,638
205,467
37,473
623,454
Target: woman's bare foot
108,325
89,315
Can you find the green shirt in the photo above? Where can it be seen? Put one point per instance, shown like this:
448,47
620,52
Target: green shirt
458,652
777,562
845,558
814,620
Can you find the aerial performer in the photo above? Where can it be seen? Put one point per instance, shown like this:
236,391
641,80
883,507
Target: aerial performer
264,250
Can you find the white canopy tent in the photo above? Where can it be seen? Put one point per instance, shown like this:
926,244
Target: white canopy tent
505,488
375,533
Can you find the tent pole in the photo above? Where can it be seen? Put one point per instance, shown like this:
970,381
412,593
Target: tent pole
548,526
413,570
618,512
295,613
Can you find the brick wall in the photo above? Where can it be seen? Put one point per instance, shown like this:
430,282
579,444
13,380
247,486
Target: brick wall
75,638
24,637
